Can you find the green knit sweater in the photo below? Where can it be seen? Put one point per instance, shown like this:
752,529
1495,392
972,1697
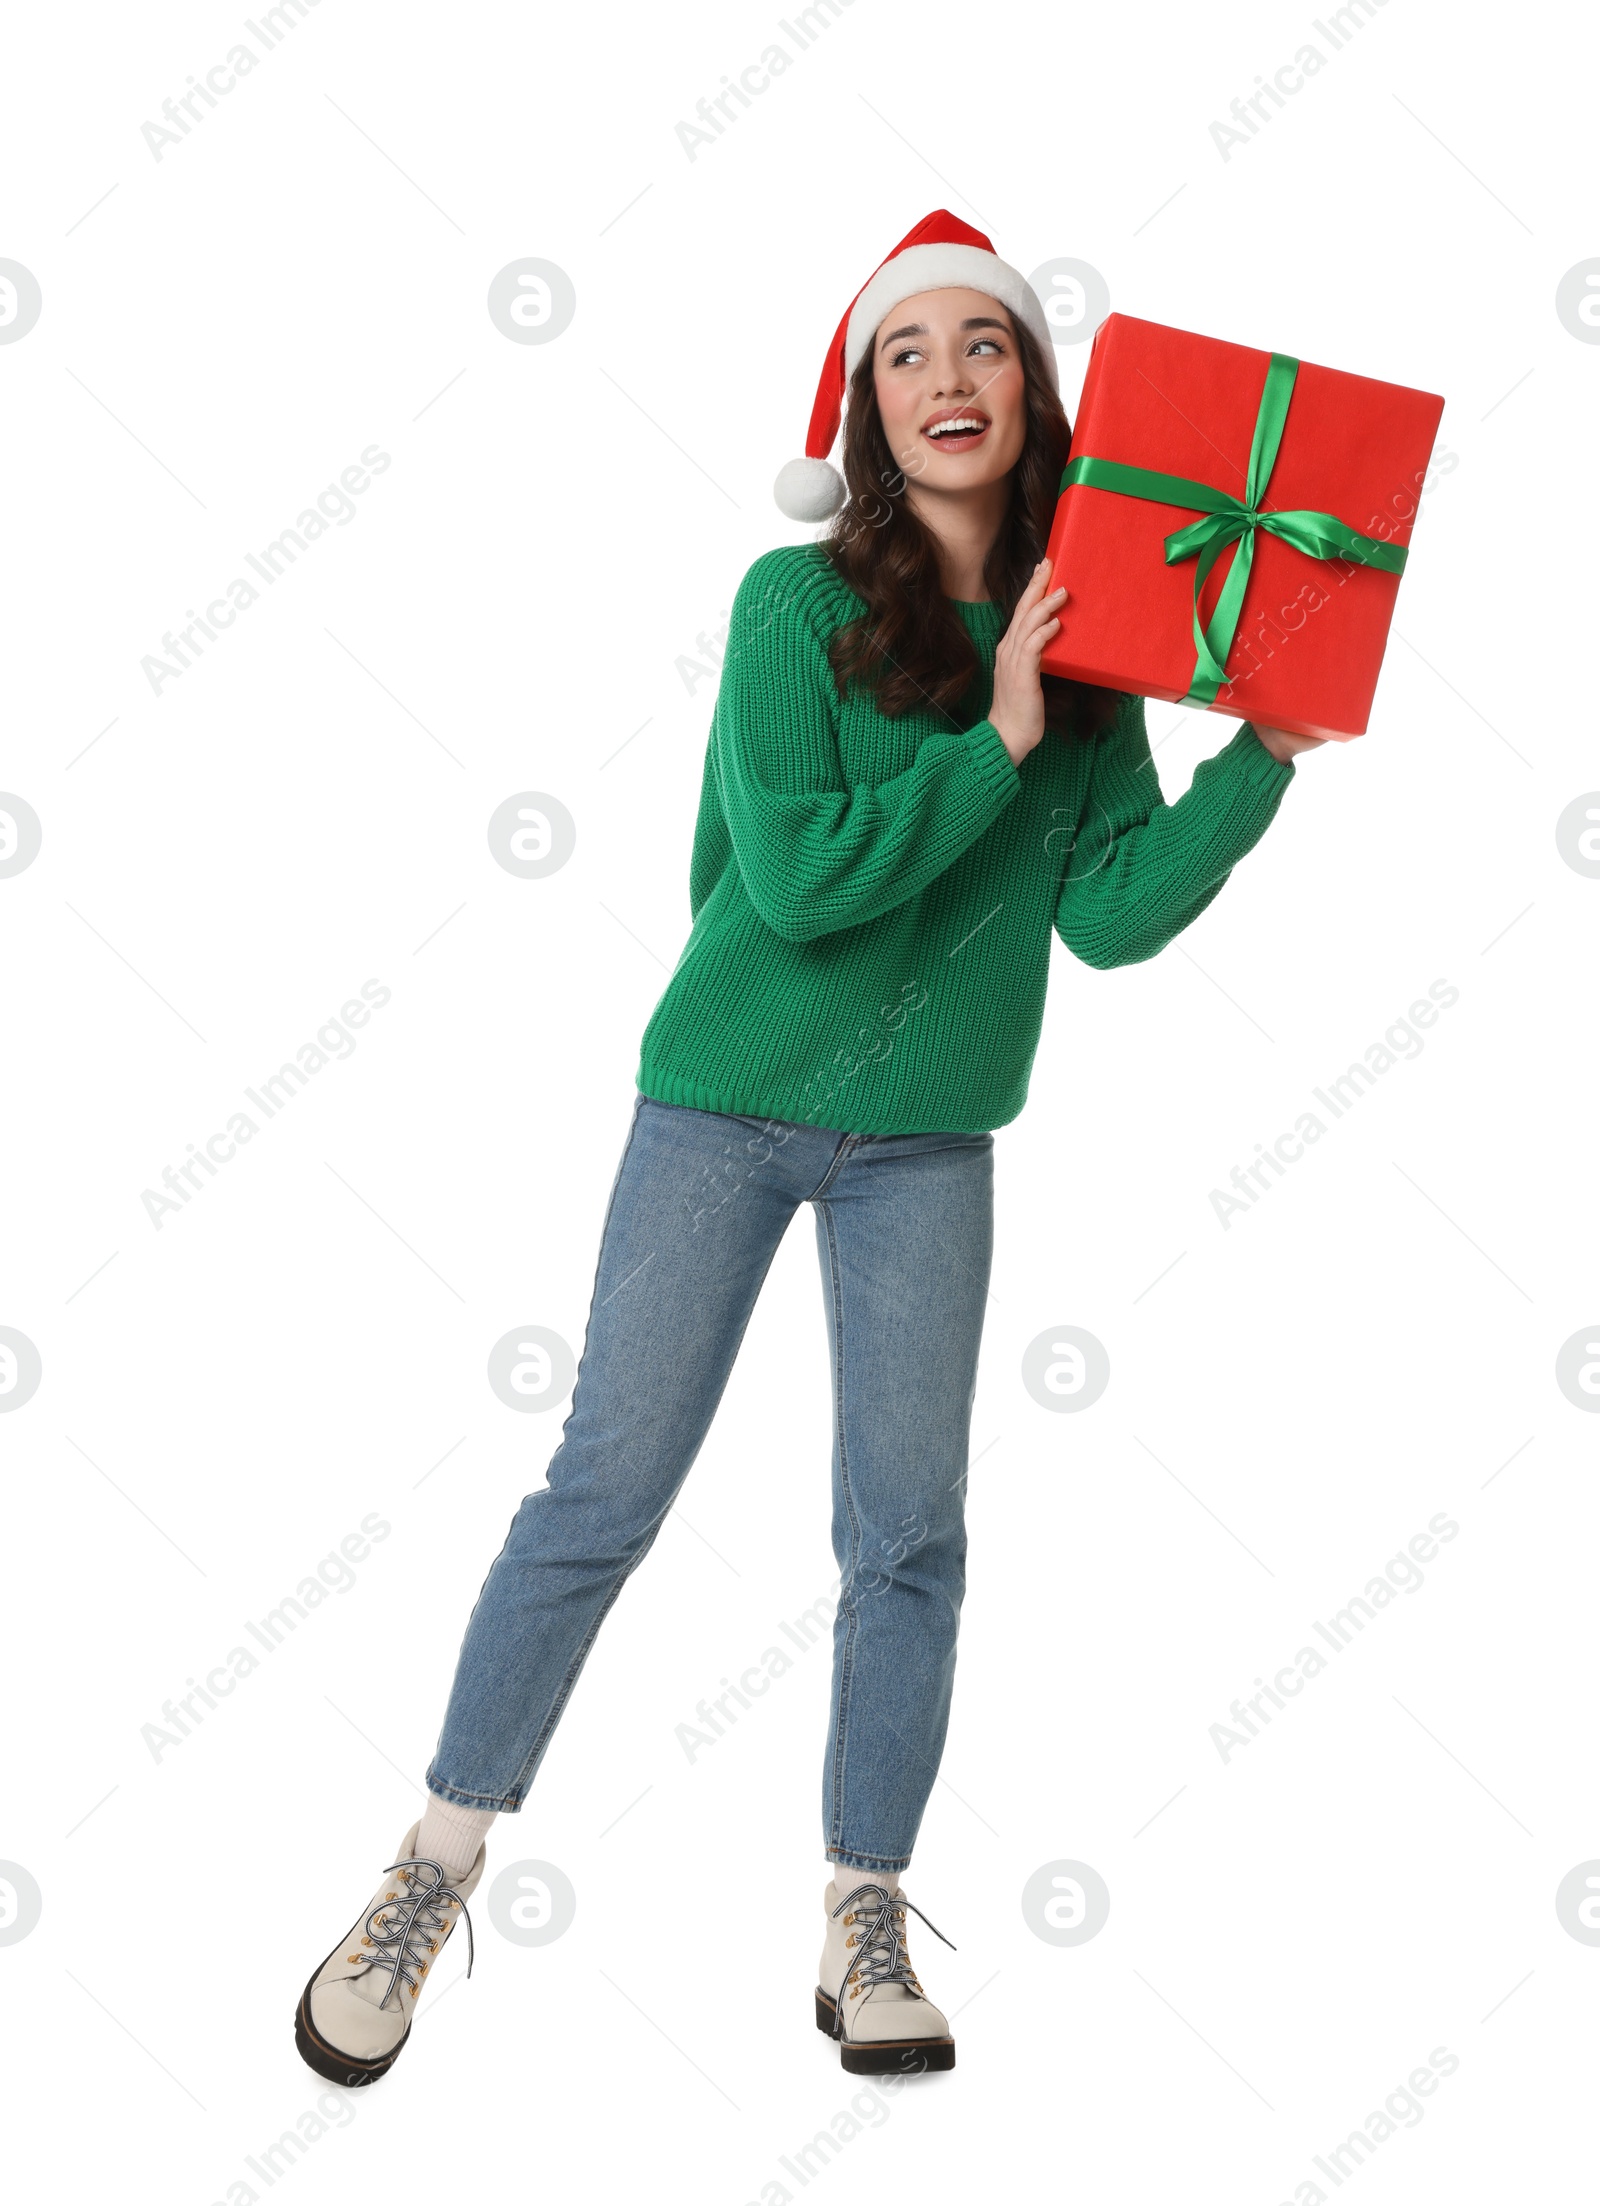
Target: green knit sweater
874,899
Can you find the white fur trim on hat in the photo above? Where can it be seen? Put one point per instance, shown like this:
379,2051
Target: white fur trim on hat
808,490
941,268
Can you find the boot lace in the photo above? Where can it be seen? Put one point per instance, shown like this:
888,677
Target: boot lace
883,1958
409,1925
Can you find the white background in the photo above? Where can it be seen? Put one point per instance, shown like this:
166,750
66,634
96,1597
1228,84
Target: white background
1292,1932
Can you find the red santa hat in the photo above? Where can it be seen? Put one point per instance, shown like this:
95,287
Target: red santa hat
940,253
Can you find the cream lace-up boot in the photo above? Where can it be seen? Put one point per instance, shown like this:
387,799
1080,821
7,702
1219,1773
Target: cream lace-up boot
869,1997
355,2014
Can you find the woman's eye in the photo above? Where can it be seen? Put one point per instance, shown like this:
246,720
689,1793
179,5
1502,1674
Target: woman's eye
912,352
992,344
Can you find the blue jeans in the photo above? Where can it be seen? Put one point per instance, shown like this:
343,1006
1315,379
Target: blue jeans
699,1204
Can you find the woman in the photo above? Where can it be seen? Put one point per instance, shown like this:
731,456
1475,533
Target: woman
895,819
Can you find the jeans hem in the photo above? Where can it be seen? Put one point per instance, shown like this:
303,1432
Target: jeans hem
507,1804
840,1861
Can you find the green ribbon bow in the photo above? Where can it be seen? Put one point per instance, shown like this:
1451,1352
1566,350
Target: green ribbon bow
1230,520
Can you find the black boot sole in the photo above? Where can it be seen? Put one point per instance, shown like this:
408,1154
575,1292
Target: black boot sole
905,2056
327,2060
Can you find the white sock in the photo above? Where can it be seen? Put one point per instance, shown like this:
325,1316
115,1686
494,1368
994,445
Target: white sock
451,1835
847,1878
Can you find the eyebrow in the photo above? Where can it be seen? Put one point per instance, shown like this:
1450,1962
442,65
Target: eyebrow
920,329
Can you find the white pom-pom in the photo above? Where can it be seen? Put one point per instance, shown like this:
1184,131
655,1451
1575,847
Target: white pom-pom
808,490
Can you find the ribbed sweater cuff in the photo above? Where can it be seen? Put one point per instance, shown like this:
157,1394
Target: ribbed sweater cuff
993,760
1255,762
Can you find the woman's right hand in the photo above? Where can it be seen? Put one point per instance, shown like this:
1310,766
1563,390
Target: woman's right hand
1016,711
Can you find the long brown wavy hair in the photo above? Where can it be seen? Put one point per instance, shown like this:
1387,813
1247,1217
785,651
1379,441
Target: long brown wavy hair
910,647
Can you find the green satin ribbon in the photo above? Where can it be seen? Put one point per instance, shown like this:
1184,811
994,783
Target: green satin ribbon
1230,520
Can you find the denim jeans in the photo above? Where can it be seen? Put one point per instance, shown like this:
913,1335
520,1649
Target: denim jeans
700,1202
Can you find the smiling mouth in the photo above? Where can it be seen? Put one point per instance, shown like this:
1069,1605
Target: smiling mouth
956,432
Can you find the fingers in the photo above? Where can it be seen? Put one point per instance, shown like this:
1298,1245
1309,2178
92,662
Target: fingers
1017,668
1035,590
1034,594
1035,627
1034,604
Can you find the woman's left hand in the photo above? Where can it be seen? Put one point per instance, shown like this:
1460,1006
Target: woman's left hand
1282,745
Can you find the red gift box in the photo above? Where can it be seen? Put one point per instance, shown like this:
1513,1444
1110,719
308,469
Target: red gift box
1337,468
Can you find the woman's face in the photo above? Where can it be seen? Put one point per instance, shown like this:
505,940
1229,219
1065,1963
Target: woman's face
949,381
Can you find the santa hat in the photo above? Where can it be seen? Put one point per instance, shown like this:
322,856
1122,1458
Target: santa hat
941,252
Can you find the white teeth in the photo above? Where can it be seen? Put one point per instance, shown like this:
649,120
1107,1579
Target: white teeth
954,428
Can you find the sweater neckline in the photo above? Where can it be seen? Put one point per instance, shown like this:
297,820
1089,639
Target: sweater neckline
982,616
